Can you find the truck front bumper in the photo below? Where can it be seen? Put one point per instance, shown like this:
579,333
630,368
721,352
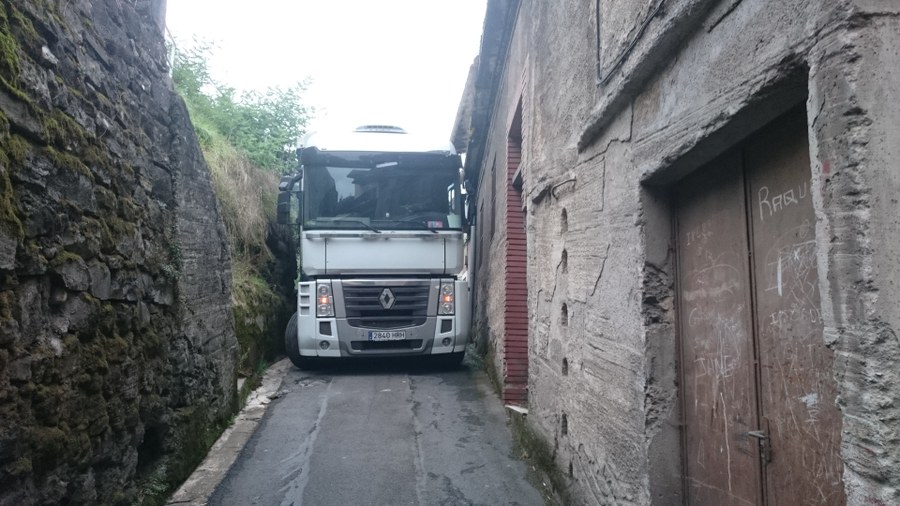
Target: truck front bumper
335,337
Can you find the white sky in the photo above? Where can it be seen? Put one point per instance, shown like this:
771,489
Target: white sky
401,62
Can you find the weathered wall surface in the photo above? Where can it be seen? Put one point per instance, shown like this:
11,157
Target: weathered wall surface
855,138
489,262
678,86
117,345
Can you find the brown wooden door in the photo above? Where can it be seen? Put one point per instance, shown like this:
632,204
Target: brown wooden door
797,391
719,388
761,426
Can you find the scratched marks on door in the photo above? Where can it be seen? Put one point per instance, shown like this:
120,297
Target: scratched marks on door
758,396
714,299
771,203
797,397
715,328
795,365
790,272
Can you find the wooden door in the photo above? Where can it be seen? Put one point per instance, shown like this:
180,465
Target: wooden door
719,387
797,390
761,426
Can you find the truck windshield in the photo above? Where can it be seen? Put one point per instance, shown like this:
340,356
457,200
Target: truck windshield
381,198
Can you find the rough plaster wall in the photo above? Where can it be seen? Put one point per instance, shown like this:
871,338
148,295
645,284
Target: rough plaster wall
117,345
584,270
718,73
692,101
730,70
602,343
488,321
662,413
600,244
620,21
619,398
856,143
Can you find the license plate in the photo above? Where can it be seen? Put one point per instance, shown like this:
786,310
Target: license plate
387,335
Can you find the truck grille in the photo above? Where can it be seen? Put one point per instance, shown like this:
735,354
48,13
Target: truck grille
407,304
412,344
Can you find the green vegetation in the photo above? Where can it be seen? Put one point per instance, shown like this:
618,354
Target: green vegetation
247,141
9,221
9,150
9,58
263,125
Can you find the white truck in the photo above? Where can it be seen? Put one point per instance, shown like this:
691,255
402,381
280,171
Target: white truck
381,247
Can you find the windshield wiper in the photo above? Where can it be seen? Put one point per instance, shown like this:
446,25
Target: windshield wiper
358,222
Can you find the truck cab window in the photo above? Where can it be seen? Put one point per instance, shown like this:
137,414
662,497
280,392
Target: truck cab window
389,198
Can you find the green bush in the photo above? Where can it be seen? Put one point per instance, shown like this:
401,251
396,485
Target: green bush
263,125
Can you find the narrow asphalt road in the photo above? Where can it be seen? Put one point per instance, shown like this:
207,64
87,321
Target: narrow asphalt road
380,433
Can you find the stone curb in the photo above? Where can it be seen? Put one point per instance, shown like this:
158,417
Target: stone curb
195,491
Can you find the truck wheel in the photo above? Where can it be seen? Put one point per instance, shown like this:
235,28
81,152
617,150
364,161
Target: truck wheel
292,346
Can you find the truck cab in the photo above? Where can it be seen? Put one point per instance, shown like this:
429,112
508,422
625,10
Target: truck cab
381,228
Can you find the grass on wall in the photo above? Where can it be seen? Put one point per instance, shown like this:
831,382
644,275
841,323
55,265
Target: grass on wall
245,140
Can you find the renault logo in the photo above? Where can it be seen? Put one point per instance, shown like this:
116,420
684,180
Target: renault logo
387,298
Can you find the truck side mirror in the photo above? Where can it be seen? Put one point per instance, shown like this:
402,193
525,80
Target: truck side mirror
468,201
285,190
283,208
287,182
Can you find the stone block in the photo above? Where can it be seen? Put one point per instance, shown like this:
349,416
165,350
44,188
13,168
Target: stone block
8,245
74,273
101,280
20,370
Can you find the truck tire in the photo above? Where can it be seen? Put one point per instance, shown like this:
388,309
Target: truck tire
292,346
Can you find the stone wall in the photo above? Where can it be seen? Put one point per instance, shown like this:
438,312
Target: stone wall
620,100
117,344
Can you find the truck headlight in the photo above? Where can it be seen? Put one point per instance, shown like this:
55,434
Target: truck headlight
447,301
324,301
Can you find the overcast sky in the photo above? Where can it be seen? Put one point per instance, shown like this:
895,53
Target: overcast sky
401,62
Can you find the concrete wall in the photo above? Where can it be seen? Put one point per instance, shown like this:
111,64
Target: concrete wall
610,122
855,131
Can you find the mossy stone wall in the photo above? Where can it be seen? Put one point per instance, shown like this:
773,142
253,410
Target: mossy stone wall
117,341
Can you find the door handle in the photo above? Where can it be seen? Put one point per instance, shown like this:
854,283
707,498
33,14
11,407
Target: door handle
765,447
